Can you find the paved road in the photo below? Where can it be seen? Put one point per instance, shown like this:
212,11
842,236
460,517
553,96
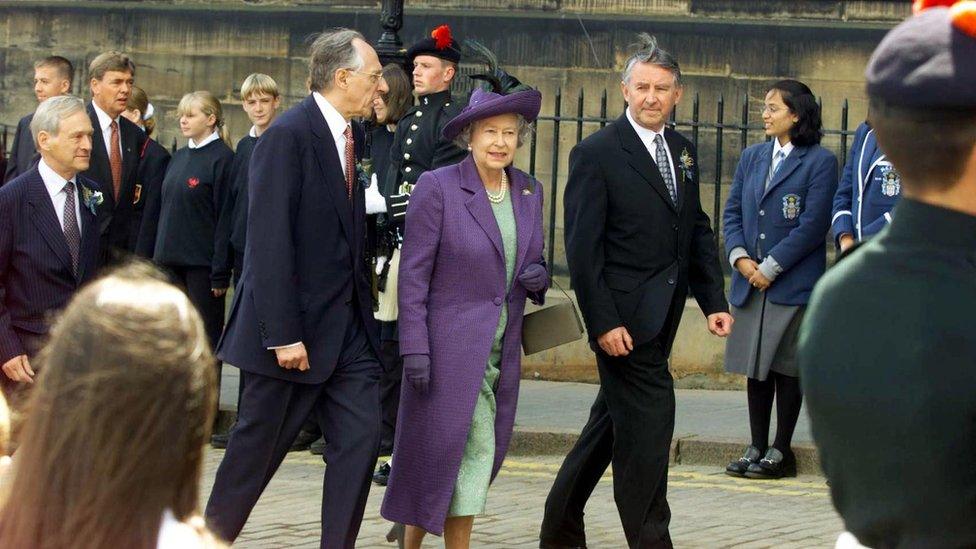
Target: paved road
710,510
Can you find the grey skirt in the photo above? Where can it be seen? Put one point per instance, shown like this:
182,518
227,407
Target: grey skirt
763,338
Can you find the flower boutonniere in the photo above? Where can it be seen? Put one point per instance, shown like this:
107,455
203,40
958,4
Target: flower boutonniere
529,187
364,172
92,199
687,164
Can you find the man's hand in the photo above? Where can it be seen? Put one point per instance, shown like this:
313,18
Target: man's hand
846,241
720,324
616,342
18,369
746,267
218,292
293,358
759,281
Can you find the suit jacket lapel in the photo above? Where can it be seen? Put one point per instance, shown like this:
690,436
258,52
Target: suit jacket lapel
45,220
89,236
100,169
328,160
671,137
478,205
130,161
640,160
523,204
790,164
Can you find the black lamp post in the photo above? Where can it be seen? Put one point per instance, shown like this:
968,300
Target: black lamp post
389,47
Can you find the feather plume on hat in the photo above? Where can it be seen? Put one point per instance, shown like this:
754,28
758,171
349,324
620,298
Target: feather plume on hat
962,13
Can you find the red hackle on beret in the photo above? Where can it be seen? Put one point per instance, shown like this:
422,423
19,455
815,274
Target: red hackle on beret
920,5
963,17
442,36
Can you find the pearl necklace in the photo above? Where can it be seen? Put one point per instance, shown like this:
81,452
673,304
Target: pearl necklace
498,198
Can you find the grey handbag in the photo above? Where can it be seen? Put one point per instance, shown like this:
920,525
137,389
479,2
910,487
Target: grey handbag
551,326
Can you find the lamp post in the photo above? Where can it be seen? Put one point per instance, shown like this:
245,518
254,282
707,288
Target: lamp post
390,47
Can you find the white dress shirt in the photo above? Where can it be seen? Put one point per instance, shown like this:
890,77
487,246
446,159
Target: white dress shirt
786,149
647,138
55,187
206,140
105,123
337,126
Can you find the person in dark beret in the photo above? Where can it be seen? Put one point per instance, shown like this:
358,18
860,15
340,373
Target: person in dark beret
887,350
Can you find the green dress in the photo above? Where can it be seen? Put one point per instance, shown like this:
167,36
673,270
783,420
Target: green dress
471,486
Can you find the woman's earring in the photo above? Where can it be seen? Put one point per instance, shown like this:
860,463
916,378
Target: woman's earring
469,147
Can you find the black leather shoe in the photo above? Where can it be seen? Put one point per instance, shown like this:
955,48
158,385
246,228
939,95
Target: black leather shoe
303,441
219,440
773,465
318,447
553,545
382,475
738,467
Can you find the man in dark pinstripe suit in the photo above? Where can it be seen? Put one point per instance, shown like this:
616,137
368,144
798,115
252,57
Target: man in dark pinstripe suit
49,236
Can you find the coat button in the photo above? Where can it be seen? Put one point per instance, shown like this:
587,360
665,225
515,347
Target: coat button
407,169
674,227
762,212
419,114
447,104
413,127
409,141
671,281
406,155
497,301
762,236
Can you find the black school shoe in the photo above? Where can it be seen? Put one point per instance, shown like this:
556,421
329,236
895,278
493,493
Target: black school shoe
318,447
773,465
739,467
303,441
382,475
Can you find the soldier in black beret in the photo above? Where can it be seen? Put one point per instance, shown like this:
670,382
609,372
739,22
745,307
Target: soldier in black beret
888,348
417,148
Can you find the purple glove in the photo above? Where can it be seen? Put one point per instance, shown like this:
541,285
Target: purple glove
416,368
534,277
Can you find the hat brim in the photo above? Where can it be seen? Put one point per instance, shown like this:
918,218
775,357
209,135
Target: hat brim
525,103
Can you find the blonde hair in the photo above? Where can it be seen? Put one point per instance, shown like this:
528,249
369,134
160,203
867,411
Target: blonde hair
208,105
117,421
257,83
139,101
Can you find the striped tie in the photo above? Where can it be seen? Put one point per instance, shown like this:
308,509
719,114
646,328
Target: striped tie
663,166
350,160
774,167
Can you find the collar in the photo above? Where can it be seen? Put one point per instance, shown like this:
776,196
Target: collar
206,141
52,181
936,226
646,136
336,122
438,97
253,132
787,148
104,120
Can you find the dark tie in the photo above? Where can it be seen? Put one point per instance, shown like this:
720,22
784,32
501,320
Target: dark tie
115,160
661,156
71,233
350,160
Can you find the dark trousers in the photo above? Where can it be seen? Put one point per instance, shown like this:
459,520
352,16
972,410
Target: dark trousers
270,415
390,393
631,424
195,281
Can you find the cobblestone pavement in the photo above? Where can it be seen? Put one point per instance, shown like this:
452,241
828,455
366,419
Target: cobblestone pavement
709,509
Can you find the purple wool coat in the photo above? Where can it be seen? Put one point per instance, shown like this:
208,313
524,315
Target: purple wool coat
451,288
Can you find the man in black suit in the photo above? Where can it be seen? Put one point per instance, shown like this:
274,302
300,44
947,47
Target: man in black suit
301,326
116,146
52,77
48,236
636,239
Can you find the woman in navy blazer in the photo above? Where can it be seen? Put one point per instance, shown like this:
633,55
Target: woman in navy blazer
776,222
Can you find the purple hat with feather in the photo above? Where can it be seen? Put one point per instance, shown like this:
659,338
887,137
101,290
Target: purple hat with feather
485,104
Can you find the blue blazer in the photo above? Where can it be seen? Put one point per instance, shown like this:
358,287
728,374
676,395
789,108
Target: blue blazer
868,190
304,260
788,221
36,278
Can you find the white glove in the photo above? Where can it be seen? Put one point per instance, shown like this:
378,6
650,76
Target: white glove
375,203
380,261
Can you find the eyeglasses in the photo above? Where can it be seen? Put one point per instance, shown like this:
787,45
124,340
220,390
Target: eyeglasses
373,76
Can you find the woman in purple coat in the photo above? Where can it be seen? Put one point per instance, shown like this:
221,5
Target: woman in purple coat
472,254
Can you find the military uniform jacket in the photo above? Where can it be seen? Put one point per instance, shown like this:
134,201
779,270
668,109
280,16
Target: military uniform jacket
887,355
418,147
870,188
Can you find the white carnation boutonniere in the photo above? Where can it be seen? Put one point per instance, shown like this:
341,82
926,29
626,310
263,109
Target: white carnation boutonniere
687,165
92,199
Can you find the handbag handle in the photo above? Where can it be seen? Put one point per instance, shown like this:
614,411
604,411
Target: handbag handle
553,280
